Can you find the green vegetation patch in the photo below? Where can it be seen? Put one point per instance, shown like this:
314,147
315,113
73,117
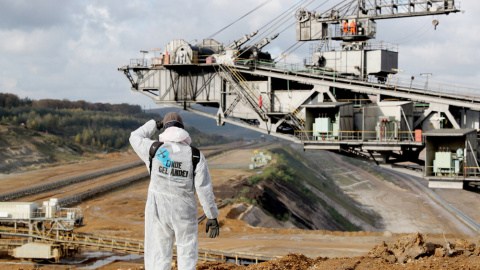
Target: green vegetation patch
94,126
277,170
296,173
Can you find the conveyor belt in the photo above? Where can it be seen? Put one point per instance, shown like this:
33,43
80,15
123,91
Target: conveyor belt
419,95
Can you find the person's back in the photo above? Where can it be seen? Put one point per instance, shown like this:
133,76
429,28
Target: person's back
173,165
171,208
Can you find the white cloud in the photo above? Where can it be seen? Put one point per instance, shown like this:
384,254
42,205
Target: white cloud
9,84
17,42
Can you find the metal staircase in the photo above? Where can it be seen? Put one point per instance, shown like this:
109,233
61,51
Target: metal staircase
246,93
252,97
297,119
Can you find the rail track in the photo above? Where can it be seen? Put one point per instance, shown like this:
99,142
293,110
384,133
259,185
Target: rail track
65,182
80,197
111,181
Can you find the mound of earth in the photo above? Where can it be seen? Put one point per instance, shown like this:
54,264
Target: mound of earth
408,252
414,246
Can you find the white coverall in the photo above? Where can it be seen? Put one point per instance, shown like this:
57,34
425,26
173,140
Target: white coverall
171,209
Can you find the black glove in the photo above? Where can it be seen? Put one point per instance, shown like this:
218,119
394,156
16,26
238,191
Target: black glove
212,225
159,125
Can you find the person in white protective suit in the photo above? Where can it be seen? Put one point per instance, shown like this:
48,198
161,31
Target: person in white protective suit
171,209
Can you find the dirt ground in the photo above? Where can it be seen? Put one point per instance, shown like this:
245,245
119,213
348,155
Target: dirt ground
464,200
410,251
404,210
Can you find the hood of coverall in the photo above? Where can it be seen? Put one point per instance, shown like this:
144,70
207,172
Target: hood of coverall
175,134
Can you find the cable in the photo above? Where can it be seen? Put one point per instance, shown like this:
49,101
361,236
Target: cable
285,18
412,38
407,37
282,14
248,13
345,8
290,25
268,32
300,43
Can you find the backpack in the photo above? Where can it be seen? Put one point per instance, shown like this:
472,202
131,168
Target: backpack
157,144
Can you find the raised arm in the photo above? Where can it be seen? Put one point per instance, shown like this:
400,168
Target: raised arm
140,139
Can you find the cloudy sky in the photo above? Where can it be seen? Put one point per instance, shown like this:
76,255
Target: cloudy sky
72,49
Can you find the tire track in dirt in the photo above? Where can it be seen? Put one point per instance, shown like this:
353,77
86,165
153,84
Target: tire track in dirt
402,210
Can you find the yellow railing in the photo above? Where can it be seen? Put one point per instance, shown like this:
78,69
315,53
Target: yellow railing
296,112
